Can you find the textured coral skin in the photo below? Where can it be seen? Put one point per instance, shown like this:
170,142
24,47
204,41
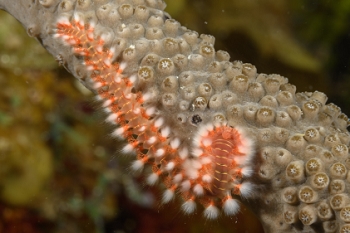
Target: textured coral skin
168,86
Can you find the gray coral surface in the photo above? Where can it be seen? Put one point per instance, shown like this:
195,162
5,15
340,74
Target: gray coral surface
300,179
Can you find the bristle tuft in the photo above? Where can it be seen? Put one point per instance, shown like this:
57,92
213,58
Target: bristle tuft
246,189
152,179
111,118
183,153
211,212
170,166
175,143
168,195
159,153
231,206
198,190
185,186
119,132
129,148
188,206
247,171
137,165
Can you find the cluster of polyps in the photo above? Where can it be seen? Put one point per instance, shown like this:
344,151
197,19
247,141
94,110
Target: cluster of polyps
210,174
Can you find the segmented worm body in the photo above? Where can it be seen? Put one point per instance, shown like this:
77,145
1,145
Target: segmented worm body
221,152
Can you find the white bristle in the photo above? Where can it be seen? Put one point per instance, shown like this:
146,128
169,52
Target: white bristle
90,35
207,142
107,62
185,186
206,160
189,207
202,131
231,207
99,48
159,122
177,178
170,166
63,20
96,85
240,160
165,132
207,178
150,111
196,164
122,65
112,117
104,37
76,17
247,189
81,22
152,179
211,212
152,140
90,68
247,171
146,97
128,149
119,132
197,152
246,146
92,25
132,78
98,98
191,167
117,79
107,110
137,165
168,195
72,41
183,153
159,152
65,37
106,103
197,141
128,96
209,127
198,190
175,143
218,124
137,111
250,155
142,128
112,50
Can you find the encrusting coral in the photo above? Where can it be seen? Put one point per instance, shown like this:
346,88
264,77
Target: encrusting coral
211,131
